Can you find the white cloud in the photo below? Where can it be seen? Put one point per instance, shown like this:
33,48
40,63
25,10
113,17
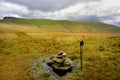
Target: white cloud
12,9
107,11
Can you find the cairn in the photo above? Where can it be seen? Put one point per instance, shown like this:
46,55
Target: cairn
60,62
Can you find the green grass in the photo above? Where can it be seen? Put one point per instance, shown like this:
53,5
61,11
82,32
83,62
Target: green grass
65,26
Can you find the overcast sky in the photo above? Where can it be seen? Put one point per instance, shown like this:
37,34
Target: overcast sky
107,11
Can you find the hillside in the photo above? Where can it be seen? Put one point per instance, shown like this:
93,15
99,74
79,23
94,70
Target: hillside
26,44
63,25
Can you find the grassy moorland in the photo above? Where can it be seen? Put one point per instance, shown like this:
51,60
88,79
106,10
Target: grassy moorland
21,44
64,25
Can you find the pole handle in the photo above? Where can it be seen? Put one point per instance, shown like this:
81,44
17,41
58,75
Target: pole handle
81,43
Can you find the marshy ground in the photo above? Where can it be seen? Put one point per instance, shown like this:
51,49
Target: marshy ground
20,45
101,56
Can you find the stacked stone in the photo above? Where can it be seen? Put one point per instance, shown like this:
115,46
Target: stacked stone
60,61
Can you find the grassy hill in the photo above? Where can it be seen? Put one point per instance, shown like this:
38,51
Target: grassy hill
23,42
64,25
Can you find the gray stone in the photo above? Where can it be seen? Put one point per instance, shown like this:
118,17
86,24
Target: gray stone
60,62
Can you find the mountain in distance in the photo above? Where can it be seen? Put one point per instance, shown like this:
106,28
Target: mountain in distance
63,25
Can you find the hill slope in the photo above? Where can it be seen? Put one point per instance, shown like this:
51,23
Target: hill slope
64,25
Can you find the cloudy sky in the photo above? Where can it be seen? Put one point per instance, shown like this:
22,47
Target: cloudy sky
107,11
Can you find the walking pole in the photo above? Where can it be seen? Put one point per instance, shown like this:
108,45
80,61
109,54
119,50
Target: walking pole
81,53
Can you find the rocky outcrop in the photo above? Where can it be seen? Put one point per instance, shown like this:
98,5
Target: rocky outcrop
10,18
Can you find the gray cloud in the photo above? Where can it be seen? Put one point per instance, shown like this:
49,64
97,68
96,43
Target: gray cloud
92,18
47,5
107,11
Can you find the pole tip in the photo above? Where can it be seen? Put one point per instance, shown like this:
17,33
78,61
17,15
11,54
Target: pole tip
81,43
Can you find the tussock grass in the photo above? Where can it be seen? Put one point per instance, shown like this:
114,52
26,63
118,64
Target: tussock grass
101,56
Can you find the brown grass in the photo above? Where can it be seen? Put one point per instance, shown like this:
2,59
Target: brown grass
20,45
